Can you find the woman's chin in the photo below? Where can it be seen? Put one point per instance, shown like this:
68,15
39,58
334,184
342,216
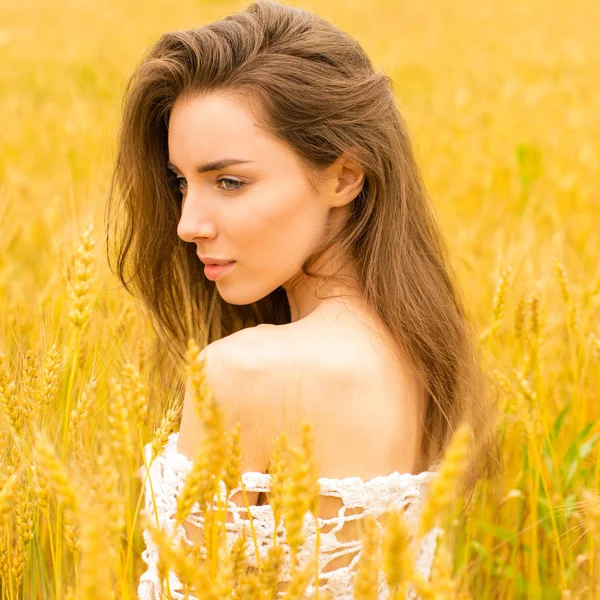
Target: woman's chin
233,294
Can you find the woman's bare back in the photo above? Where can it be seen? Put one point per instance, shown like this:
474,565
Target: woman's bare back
364,401
337,369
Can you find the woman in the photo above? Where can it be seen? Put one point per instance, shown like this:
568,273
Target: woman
267,142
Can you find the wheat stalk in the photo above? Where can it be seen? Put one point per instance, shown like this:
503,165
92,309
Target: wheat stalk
118,420
8,493
24,529
397,556
442,494
81,410
190,572
95,579
278,470
50,380
366,578
233,467
46,460
164,430
84,268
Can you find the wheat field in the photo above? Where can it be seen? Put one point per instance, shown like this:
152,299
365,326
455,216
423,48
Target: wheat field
502,101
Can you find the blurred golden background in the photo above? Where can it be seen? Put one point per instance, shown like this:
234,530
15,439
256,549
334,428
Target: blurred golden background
502,99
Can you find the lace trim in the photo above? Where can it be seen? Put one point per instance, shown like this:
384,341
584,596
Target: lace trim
397,490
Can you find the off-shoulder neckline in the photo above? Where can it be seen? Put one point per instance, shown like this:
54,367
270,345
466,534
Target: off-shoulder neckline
171,450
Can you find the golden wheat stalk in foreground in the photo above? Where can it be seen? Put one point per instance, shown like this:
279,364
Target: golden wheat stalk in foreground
591,508
442,494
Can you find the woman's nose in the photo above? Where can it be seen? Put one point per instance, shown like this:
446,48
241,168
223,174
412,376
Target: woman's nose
194,223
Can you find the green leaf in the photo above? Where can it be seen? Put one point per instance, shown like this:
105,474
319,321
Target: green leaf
578,452
529,163
587,447
573,449
480,550
499,532
558,423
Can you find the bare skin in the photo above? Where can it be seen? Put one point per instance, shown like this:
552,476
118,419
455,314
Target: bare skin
367,428
334,365
335,369
375,416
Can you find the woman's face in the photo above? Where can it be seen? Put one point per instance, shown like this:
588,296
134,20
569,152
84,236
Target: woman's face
262,213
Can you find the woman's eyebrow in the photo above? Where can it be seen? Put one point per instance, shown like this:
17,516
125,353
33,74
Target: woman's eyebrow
213,166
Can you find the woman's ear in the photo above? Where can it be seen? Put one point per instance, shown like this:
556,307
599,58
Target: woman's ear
346,181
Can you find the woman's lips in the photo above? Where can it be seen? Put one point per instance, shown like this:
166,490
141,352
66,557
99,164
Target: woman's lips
214,272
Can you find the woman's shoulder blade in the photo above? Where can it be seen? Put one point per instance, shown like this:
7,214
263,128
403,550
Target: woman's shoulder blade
328,376
279,376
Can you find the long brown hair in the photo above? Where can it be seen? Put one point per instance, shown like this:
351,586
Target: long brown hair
312,86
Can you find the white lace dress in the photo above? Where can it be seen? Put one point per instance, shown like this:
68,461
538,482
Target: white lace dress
398,490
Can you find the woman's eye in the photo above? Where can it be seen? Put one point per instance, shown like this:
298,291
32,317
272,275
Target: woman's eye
239,185
177,182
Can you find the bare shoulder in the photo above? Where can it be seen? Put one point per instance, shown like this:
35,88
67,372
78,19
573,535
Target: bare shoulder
276,381
234,370
243,372
269,363
300,374
240,375
362,398
272,379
